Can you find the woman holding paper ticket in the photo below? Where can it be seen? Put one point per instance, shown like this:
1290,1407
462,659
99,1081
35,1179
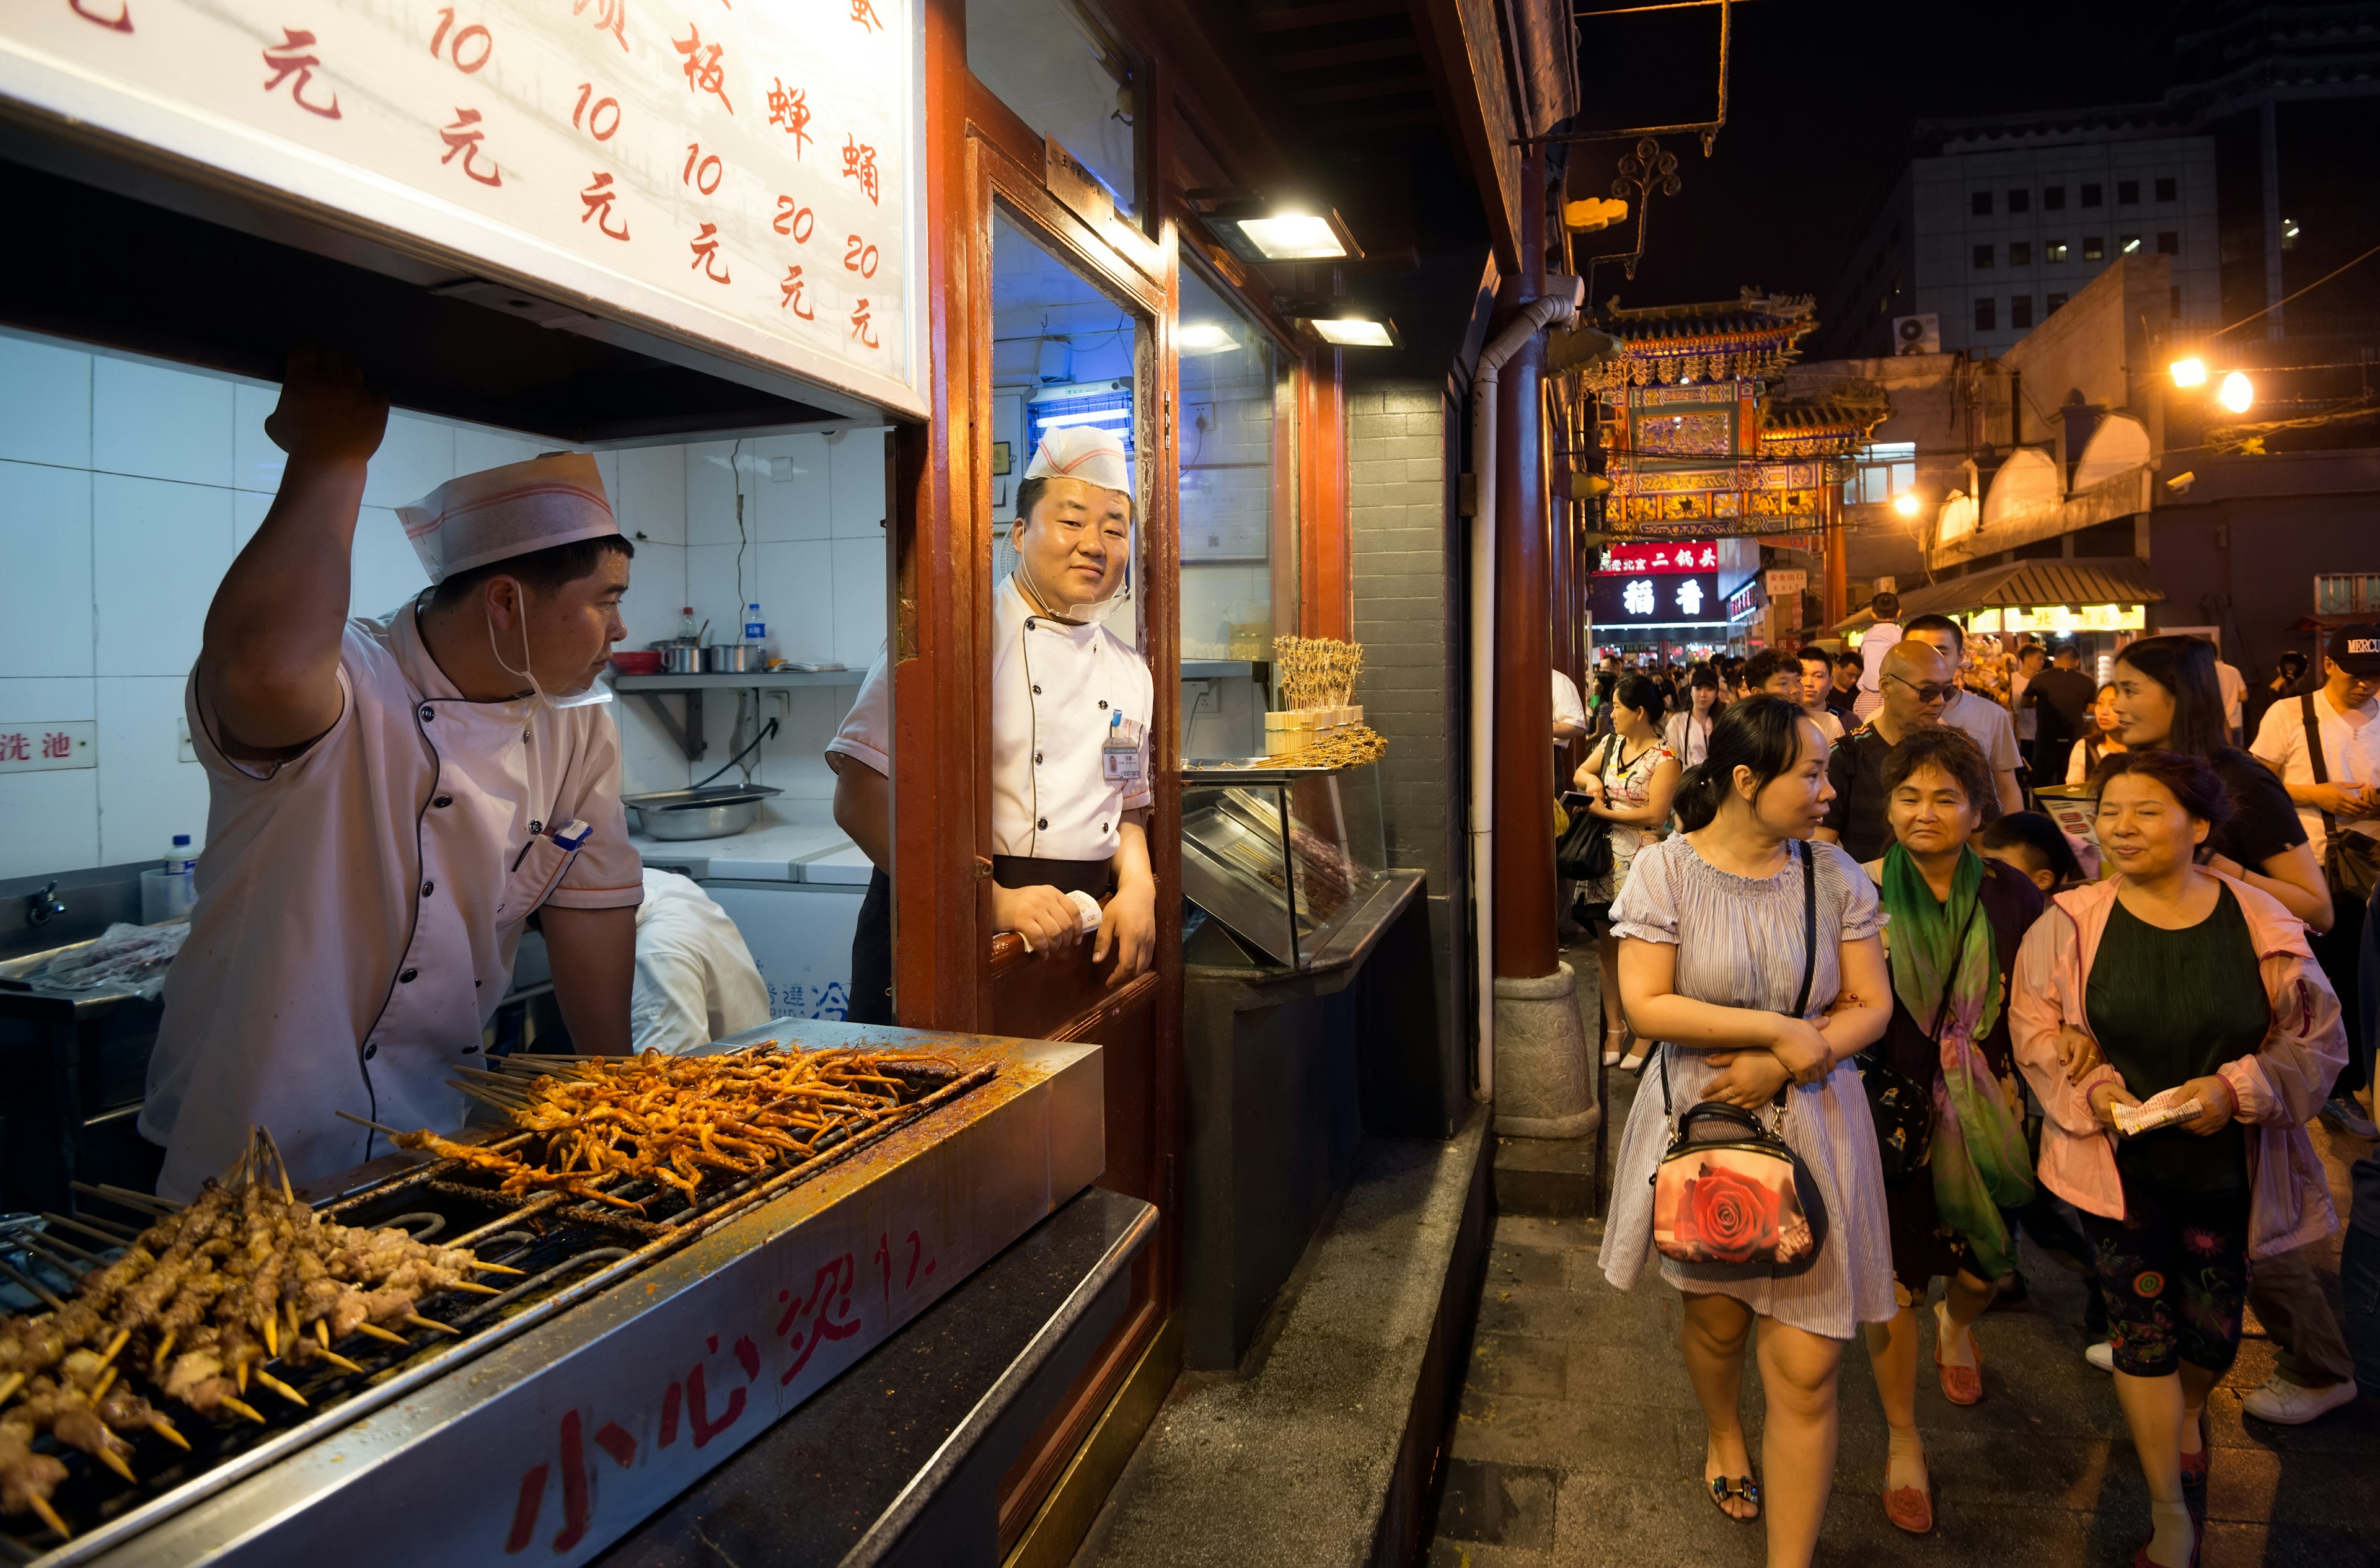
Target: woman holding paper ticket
2184,1147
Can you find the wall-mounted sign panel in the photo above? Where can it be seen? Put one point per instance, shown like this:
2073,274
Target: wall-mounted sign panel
1656,600
1639,557
735,180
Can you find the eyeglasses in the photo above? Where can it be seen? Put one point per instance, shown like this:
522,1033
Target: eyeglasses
1928,691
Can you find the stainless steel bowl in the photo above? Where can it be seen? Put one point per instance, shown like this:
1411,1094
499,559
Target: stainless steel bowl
679,658
719,812
734,659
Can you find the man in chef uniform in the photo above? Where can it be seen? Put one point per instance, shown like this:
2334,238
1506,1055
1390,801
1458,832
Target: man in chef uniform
1071,706
390,800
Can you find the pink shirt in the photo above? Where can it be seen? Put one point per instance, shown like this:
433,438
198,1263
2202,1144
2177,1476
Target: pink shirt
359,906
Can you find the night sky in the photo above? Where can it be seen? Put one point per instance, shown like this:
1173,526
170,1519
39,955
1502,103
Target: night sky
1821,105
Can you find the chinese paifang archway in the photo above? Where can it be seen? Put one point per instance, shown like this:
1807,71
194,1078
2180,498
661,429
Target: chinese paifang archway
1693,443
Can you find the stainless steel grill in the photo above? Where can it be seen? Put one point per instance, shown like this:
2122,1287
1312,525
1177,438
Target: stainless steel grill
574,1251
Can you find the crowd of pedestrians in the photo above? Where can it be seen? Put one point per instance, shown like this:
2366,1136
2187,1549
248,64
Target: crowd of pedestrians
1900,1022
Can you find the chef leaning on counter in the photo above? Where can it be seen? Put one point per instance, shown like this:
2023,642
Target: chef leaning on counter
1071,706
390,799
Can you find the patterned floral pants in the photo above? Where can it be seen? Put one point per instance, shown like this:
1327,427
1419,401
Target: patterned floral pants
2174,1272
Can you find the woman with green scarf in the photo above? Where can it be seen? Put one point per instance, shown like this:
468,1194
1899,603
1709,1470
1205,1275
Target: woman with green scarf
1956,922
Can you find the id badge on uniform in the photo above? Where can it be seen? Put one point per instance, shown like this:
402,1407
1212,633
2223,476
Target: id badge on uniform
1120,757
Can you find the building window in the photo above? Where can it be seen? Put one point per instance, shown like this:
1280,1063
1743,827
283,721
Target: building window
2019,200
2165,188
2090,195
2173,302
2053,199
1986,315
1885,470
2130,245
2093,248
2288,234
1981,203
2051,304
2346,593
2053,252
2020,253
2021,311
2128,193
1982,256
2168,244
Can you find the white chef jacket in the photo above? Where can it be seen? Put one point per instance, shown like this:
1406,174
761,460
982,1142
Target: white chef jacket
1057,694
360,908
696,981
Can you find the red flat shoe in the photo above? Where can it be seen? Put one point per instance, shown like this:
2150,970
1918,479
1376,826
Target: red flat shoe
2193,1465
1910,1509
1960,1385
2142,1559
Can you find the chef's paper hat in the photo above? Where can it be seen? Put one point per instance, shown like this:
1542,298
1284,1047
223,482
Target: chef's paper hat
1081,452
497,514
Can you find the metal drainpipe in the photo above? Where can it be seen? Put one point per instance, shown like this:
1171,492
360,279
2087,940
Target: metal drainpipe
1534,317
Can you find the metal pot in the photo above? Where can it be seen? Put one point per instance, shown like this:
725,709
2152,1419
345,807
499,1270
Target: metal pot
733,658
719,812
679,658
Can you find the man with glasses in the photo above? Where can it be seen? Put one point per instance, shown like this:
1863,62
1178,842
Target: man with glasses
1914,684
1986,722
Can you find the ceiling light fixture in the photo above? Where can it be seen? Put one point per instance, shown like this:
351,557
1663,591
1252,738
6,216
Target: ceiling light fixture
1906,504
1354,332
2189,372
1262,233
1204,337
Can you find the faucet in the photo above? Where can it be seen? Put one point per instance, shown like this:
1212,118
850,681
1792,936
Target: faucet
41,906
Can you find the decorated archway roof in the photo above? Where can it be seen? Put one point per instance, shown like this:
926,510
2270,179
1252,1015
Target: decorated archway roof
1660,345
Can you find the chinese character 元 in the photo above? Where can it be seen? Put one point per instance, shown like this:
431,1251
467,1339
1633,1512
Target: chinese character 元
56,744
599,197
791,109
705,253
463,137
15,746
703,71
120,22
1636,598
865,15
1690,597
859,328
289,58
859,163
611,16
792,288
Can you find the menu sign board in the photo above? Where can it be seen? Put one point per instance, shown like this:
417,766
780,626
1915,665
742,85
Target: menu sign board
1659,555
739,178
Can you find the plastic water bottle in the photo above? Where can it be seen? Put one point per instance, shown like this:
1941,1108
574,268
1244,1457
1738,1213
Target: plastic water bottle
688,629
182,859
756,631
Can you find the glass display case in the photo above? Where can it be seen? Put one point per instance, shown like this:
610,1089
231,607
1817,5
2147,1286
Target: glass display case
1281,857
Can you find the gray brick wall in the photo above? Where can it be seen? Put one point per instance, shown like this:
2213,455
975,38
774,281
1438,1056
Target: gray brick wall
1407,546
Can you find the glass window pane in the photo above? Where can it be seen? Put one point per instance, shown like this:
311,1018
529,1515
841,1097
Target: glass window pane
1058,67
1229,370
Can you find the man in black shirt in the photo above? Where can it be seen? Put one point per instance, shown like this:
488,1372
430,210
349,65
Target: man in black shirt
1845,690
2061,695
1915,685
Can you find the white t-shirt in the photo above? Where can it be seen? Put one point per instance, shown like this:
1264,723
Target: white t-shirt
1987,724
1829,723
359,905
696,981
2235,692
2351,751
1875,643
2027,720
1568,708
1057,691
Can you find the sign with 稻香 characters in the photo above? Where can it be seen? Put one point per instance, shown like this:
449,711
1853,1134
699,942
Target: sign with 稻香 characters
734,178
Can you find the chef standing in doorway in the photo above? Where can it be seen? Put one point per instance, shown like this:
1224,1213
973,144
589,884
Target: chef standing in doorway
390,800
1071,707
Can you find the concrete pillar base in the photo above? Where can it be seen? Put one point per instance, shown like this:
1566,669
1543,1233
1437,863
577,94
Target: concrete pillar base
1545,1088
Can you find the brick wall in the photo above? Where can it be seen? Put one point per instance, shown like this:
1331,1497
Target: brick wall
1407,545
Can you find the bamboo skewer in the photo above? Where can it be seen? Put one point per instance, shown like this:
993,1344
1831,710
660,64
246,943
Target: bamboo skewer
373,1331
127,1197
32,1286
367,1121
49,1515
113,1234
115,1461
9,1385
419,1321
240,1407
164,1429
283,1390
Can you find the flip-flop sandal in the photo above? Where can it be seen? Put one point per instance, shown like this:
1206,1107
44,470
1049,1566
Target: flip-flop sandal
1744,1488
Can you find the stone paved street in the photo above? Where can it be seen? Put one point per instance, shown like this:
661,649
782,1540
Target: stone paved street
1580,1440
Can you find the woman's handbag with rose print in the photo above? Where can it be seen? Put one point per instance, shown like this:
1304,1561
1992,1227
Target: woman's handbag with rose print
1729,1196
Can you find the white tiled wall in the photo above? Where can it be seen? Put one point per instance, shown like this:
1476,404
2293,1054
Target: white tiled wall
126,487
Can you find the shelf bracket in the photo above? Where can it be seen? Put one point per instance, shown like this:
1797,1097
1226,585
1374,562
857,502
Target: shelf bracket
688,737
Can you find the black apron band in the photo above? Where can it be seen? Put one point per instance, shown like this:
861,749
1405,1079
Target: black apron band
1094,877
871,955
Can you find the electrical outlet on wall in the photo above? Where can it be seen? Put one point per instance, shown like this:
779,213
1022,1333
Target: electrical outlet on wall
188,753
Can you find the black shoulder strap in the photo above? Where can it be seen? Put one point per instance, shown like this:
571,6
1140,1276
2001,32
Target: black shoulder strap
2313,753
1809,926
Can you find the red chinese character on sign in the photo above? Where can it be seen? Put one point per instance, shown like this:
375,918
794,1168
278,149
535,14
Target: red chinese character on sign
865,15
16,746
703,71
705,247
56,745
790,110
859,328
792,289
120,22
463,137
290,59
859,163
829,1296
611,16
599,197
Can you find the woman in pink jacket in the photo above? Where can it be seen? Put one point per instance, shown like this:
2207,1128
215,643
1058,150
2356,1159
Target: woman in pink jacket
2170,985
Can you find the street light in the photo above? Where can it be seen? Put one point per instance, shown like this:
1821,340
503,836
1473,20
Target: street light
2238,393
1906,504
2189,372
